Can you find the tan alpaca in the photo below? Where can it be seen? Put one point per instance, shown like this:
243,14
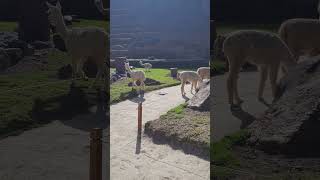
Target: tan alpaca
136,76
147,66
204,72
302,36
188,76
264,49
82,43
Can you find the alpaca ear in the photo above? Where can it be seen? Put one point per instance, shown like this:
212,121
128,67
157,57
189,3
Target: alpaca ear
49,5
58,5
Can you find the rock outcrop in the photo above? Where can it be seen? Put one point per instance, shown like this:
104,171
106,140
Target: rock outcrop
291,125
201,100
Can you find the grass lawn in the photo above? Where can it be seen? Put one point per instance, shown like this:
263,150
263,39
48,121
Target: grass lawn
30,99
11,25
7,25
223,28
120,90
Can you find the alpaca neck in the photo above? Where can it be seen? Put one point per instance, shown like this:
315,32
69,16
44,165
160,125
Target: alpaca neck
129,70
62,28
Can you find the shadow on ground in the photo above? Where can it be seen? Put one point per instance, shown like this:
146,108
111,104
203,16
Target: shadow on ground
73,110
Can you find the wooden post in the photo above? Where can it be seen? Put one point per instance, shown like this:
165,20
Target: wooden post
139,116
96,154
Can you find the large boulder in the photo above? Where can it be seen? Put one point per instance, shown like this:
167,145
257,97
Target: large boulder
4,60
201,100
15,54
8,39
41,44
292,123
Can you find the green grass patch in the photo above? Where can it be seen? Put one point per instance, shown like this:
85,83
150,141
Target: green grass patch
120,90
88,23
179,109
8,26
222,157
175,113
31,99
218,66
225,28
11,25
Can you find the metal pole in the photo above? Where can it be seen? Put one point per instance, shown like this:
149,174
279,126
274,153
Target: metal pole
96,154
140,115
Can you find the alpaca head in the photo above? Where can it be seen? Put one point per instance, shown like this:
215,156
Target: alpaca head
127,66
55,13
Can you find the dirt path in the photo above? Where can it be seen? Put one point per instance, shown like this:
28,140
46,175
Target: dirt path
139,158
59,150
227,122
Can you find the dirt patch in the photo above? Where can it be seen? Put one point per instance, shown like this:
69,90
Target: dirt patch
184,129
255,164
147,82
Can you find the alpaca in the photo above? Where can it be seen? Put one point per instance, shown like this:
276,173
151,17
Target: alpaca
264,49
136,76
301,36
204,72
81,43
188,76
147,66
100,7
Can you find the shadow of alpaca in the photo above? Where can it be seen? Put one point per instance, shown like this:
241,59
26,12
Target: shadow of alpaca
73,110
245,117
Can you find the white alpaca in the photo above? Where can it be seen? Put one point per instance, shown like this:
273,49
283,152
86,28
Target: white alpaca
301,36
136,76
147,66
81,43
264,49
204,72
188,76
100,7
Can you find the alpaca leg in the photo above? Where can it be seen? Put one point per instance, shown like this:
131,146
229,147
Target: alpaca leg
98,76
142,85
263,78
196,86
232,80
74,69
273,75
80,69
236,92
230,87
182,88
192,86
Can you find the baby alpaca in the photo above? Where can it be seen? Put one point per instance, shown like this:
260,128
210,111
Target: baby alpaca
136,76
147,66
188,76
204,72
264,49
